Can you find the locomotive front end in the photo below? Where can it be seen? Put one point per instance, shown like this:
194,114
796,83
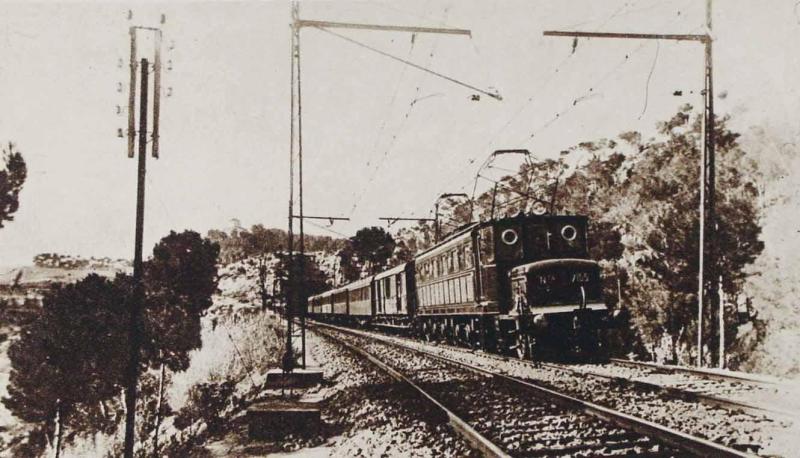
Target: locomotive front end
559,304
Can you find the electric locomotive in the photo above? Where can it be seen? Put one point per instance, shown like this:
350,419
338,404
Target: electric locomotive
521,285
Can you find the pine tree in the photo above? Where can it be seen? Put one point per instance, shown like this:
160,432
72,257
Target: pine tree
68,361
11,181
180,280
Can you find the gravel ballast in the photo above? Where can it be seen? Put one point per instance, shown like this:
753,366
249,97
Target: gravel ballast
761,434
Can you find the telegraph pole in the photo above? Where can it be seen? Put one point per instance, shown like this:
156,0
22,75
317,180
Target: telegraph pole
296,287
137,299
707,279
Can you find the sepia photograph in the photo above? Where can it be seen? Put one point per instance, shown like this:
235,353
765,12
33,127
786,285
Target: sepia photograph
385,228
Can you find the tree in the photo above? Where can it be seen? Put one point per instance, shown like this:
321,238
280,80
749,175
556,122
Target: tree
180,280
70,360
259,241
368,250
314,280
641,197
11,181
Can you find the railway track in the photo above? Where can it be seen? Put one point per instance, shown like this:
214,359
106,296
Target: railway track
753,394
504,415
738,392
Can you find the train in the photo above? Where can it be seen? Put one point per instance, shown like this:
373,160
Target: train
522,286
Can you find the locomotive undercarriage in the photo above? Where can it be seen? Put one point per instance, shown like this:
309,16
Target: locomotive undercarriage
573,336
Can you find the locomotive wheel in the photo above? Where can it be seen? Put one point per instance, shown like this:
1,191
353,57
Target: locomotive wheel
450,334
523,346
427,332
470,337
464,335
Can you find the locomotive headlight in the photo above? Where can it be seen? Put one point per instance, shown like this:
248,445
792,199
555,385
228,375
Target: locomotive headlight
569,233
509,236
539,209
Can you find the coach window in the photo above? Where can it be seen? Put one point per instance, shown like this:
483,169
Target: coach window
450,295
486,245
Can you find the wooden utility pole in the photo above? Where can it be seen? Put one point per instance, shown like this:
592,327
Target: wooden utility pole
721,299
288,360
135,306
707,280
296,287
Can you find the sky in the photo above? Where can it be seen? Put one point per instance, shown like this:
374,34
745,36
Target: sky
380,138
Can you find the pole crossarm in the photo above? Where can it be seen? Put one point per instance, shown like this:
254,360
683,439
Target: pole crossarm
387,28
643,36
390,219
326,218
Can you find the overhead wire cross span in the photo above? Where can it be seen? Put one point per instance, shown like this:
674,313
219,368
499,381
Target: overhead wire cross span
494,95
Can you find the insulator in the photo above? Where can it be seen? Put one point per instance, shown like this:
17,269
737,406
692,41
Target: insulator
120,63
163,18
169,91
169,65
119,110
120,134
130,15
119,87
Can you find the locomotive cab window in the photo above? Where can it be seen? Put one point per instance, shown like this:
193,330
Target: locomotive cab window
568,237
509,244
486,245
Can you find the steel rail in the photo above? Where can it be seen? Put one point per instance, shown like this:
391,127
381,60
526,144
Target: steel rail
672,437
474,438
681,393
708,373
